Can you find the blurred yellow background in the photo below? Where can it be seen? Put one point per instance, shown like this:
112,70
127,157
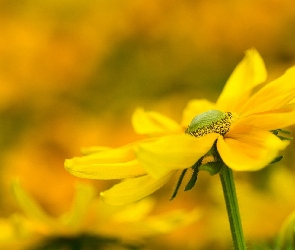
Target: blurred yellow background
72,72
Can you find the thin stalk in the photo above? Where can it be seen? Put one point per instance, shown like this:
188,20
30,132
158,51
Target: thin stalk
230,197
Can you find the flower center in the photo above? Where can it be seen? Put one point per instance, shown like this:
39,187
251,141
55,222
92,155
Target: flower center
212,121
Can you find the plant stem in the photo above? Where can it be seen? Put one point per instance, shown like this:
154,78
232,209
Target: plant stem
230,197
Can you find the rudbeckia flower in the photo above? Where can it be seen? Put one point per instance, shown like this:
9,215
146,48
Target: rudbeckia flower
244,129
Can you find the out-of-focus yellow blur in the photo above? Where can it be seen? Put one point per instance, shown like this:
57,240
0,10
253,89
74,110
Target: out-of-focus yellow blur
72,72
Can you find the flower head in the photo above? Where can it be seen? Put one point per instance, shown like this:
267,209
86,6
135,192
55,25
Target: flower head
249,142
242,128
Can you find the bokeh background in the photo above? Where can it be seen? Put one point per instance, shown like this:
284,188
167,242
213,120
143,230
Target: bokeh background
72,72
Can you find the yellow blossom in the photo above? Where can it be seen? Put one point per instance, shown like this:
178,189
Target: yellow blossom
243,125
89,217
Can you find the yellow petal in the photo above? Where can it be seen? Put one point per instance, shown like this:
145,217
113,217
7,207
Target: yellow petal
247,148
134,189
272,96
194,108
249,73
30,207
84,195
173,152
108,164
275,119
151,123
106,171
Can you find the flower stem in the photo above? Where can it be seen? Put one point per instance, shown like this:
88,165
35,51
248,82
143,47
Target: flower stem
230,197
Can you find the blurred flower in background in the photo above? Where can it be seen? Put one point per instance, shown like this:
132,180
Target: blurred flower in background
72,72
89,224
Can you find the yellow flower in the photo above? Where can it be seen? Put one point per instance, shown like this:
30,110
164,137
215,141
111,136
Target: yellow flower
245,128
88,217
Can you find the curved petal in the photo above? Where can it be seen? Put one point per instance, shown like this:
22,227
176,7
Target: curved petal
84,195
249,73
194,108
134,189
153,123
173,152
275,119
247,148
106,164
30,207
272,96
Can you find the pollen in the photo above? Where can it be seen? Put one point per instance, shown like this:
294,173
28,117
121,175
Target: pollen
212,121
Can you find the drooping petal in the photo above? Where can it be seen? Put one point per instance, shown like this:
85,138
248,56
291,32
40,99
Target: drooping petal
194,108
151,123
271,120
134,189
107,164
272,96
249,73
247,148
173,152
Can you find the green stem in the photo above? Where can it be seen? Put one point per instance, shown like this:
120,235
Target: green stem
230,197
